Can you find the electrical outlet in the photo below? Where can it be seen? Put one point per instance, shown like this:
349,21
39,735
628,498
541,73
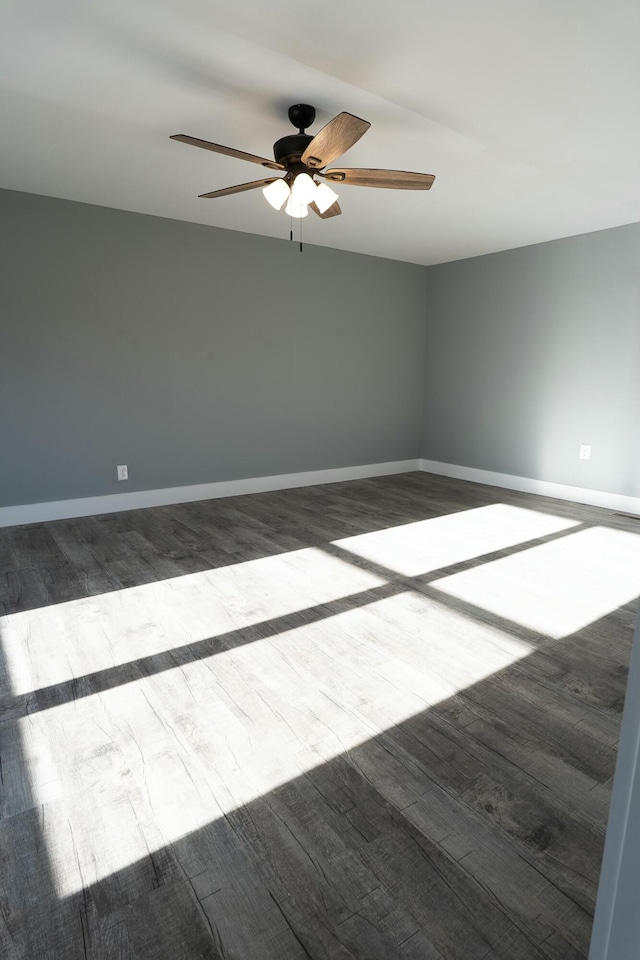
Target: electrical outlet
585,451
123,472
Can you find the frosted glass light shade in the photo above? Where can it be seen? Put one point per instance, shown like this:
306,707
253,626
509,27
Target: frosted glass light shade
303,189
294,209
276,193
324,197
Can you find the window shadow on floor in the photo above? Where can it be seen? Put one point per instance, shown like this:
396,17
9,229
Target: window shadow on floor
65,560
473,829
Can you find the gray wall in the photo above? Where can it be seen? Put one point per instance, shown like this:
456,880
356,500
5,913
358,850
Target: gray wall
532,352
194,354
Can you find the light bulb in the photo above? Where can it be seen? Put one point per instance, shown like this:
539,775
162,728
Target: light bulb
294,209
303,189
324,197
277,192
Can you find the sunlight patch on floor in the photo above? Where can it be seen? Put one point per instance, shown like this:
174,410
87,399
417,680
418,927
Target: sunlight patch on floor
125,772
416,548
559,587
53,644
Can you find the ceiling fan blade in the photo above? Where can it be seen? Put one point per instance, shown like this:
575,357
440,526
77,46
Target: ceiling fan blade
334,139
391,179
227,151
240,188
333,211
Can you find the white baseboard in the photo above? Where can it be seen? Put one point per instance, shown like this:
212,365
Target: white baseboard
559,491
116,502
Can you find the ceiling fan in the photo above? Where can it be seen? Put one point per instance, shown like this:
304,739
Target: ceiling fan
303,158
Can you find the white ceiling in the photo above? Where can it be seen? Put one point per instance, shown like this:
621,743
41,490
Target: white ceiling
527,112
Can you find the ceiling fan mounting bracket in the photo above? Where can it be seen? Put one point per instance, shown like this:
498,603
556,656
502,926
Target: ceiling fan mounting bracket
302,115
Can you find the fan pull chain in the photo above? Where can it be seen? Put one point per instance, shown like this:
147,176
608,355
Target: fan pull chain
291,231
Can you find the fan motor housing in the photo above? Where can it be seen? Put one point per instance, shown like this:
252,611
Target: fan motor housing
290,149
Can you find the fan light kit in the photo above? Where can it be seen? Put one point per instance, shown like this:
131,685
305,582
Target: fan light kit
303,192
303,158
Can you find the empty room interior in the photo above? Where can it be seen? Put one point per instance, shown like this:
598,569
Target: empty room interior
319,481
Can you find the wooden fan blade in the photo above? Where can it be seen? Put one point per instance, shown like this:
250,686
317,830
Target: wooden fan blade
333,211
334,139
240,188
227,151
391,179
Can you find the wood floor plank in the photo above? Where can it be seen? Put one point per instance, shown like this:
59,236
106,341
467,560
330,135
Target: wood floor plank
257,729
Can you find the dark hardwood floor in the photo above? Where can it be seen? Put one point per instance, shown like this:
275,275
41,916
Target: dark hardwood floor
370,720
